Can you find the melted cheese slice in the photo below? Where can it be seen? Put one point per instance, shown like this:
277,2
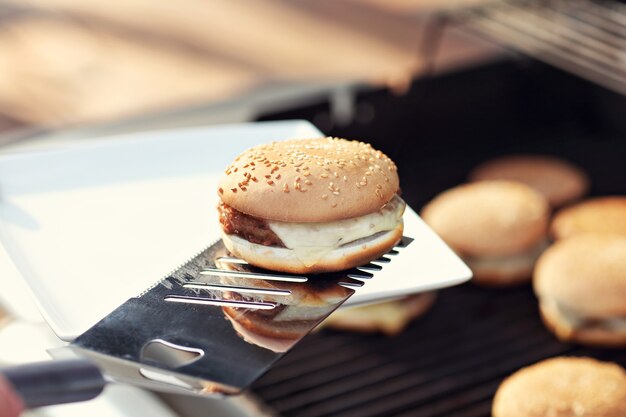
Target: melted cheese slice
312,241
576,321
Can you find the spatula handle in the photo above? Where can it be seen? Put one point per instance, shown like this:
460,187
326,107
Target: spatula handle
55,382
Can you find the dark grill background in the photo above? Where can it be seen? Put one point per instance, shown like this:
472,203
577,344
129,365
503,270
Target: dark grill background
450,362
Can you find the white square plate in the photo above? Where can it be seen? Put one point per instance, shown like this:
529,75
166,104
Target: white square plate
93,224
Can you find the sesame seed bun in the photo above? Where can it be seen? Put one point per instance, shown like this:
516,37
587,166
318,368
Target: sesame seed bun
581,281
347,256
489,218
598,215
390,317
309,180
559,181
563,387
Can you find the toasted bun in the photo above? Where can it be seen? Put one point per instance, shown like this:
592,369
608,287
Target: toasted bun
348,256
593,336
586,274
309,180
598,215
489,218
559,181
563,387
390,317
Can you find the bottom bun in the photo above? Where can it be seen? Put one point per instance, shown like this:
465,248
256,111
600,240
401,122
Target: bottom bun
347,256
592,336
389,317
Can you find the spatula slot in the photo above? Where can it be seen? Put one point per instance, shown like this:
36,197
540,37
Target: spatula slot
219,302
255,275
241,290
170,354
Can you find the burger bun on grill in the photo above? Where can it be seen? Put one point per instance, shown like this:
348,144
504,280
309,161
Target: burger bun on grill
559,181
497,227
604,215
581,286
563,387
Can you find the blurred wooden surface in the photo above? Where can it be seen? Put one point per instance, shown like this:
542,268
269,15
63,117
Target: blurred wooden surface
73,61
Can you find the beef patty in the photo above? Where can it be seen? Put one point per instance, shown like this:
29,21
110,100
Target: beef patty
250,228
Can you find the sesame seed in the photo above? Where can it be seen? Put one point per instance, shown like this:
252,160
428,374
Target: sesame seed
306,174
368,173
270,182
286,188
379,186
336,192
298,179
221,190
236,169
345,178
296,185
334,205
335,174
324,175
379,194
324,196
243,188
277,177
234,190
363,183
307,182
254,179
304,190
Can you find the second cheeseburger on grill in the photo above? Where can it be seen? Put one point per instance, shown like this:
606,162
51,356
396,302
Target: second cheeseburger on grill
310,205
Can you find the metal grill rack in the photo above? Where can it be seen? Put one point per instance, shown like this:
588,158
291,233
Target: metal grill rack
584,37
449,363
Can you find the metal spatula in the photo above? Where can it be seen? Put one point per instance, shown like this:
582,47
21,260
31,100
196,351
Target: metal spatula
212,327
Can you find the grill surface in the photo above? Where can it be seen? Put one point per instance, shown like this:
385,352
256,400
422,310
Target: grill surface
450,362
586,37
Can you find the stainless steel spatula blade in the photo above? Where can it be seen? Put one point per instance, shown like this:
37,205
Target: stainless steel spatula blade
215,325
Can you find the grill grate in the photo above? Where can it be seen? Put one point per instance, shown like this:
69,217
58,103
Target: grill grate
447,364
584,37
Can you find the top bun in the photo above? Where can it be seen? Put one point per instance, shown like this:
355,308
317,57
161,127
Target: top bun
489,218
563,387
599,215
559,181
309,180
586,274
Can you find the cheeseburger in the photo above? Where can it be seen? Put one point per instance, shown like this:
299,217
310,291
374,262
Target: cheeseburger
559,181
310,205
581,285
600,215
498,227
563,387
